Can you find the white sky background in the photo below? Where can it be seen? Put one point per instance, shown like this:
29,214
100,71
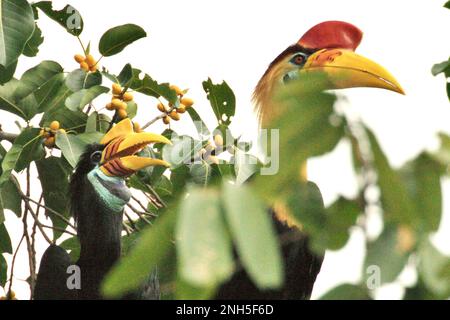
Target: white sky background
189,41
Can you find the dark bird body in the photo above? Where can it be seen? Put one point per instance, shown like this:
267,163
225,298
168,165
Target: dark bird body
98,195
301,267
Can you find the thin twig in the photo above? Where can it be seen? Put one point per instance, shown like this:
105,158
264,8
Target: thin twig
31,258
11,276
133,225
58,229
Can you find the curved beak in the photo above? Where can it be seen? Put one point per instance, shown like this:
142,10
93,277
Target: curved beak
346,69
119,159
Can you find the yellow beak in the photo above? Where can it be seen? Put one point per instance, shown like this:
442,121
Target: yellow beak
122,143
346,69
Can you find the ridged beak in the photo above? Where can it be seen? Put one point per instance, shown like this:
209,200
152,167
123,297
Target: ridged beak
122,143
346,69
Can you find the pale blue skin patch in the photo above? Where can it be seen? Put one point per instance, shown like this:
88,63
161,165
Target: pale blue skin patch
112,191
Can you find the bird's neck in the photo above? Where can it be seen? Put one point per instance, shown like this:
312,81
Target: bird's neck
99,231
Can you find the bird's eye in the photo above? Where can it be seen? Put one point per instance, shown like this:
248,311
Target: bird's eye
96,156
299,59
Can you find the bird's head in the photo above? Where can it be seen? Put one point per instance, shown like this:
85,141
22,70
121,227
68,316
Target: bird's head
103,167
327,48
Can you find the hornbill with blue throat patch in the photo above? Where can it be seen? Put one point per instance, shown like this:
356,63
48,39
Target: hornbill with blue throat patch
327,48
98,194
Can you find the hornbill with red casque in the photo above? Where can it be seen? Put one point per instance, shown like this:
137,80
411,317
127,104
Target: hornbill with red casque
98,194
327,48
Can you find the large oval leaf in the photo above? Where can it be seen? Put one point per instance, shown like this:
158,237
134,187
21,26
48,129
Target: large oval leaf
253,235
80,99
16,27
203,243
134,268
116,39
37,77
71,147
68,17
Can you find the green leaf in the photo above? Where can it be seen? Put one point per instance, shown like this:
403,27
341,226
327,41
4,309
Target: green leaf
116,39
253,235
79,99
440,67
245,166
397,205
186,291
222,100
203,244
90,137
26,148
9,163
54,177
7,73
347,292
387,254
32,148
430,269
68,17
306,205
340,217
135,267
91,123
10,198
126,75
131,109
73,246
5,240
36,77
80,79
25,108
181,151
152,88
447,5
200,125
32,46
422,177
69,120
201,173
16,27
71,147
3,271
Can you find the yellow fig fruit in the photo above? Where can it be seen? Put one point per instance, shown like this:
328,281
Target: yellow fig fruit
62,131
188,102
161,107
90,60
84,66
42,132
174,115
176,89
116,103
93,68
54,125
218,140
166,120
181,108
116,88
109,106
79,58
137,127
123,106
127,96
49,142
122,114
